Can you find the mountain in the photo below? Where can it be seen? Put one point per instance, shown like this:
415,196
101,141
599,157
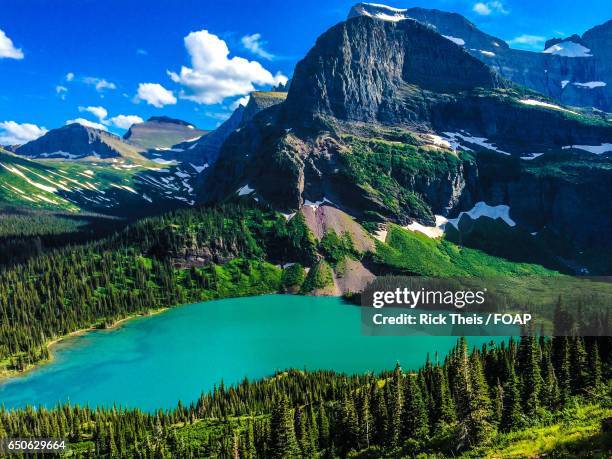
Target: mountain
161,132
113,187
575,70
389,121
206,150
75,141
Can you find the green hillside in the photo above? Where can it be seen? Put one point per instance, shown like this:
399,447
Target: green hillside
106,186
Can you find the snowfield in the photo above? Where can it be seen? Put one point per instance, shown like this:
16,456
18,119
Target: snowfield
539,103
591,84
568,49
482,209
430,231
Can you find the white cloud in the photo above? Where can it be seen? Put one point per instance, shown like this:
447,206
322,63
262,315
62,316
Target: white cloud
120,121
255,44
7,48
87,123
142,52
242,101
69,76
486,8
155,94
213,76
12,133
100,83
99,112
125,121
532,41
61,91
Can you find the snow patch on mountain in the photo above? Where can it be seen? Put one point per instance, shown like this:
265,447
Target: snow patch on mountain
591,84
568,49
452,138
530,156
434,232
315,205
539,103
378,11
595,149
482,209
439,141
246,189
458,41
198,169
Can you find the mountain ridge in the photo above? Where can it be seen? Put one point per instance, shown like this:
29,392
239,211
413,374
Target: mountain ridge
561,76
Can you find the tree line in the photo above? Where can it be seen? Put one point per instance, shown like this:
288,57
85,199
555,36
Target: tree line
442,408
181,257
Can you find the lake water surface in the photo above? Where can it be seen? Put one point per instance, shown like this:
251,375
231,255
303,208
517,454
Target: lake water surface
152,362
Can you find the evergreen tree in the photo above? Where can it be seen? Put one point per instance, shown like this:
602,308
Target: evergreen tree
395,406
594,366
531,377
512,417
366,420
443,409
578,368
415,417
283,443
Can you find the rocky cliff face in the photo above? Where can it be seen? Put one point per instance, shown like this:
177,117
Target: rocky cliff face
574,75
379,71
77,141
207,149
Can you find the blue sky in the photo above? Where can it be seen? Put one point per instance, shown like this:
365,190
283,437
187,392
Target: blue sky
112,61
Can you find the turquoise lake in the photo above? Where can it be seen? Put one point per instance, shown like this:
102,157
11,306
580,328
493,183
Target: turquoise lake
152,362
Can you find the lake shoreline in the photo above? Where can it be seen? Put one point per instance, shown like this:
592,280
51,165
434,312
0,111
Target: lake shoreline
6,375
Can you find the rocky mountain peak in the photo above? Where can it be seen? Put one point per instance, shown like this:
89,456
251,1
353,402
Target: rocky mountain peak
73,141
554,41
365,69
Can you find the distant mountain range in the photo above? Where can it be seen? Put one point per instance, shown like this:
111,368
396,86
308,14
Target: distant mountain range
574,70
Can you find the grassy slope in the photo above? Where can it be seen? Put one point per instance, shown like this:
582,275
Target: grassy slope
412,252
578,433
94,185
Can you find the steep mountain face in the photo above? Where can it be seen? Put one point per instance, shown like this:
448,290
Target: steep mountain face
575,71
162,132
76,141
379,71
206,150
388,120
260,100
